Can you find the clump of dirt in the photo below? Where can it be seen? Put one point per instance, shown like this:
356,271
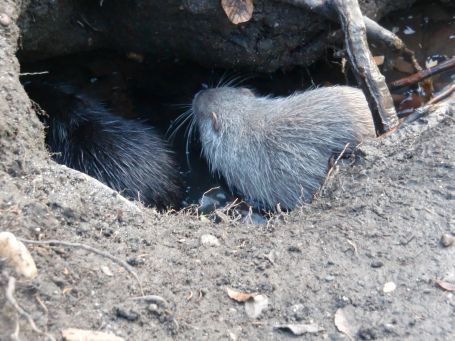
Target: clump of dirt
370,245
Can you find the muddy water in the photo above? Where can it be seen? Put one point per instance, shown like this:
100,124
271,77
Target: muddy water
157,92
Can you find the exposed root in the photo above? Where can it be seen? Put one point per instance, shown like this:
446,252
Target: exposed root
9,294
423,74
116,260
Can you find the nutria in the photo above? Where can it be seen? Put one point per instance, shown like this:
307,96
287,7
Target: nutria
275,150
124,154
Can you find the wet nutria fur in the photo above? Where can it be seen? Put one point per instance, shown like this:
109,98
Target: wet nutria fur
126,155
276,150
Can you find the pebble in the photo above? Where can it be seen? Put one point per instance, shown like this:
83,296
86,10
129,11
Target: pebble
5,20
209,240
389,287
377,264
447,240
329,278
129,315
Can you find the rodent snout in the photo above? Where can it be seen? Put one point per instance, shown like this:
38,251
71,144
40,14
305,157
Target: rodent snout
202,100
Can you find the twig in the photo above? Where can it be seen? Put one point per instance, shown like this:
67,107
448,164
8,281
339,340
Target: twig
46,311
151,299
331,170
33,73
374,31
15,335
365,69
120,262
443,95
9,294
421,75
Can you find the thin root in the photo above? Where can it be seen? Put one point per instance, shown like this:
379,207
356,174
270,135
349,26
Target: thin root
120,262
9,294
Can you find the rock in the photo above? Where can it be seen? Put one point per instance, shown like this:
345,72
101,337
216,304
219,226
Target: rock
209,240
5,20
389,287
447,240
376,264
17,255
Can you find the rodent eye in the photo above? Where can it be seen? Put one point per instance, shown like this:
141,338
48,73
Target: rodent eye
215,123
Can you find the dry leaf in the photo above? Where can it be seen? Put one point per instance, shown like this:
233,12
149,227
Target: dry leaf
74,334
446,285
300,329
17,255
66,290
255,305
379,60
342,323
239,296
135,57
238,11
403,66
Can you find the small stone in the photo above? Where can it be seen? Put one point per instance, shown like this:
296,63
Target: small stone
294,248
209,240
389,287
299,312
153,308
106,271
128,315
377,264
329,278
447,240
133,261
5,20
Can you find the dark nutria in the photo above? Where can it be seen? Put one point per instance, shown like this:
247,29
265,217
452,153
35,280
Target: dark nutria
124,154
276,150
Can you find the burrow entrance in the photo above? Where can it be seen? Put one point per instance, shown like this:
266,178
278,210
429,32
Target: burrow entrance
140,86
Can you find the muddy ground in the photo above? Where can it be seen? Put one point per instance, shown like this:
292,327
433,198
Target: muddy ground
379,221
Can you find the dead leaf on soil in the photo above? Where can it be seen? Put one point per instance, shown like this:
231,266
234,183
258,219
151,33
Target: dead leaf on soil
379,60
135,57
403,66
66,290
300,329
255,305
238,11
74,334
342,323
446,285
239,296
17,255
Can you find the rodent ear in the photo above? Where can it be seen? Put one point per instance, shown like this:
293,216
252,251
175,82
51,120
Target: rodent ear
247,92
215,123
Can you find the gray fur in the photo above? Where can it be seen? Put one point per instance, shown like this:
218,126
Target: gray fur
276,150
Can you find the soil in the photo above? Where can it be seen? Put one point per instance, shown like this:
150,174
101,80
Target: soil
278,35
378,221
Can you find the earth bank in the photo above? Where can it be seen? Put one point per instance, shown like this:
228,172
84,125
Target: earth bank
379,221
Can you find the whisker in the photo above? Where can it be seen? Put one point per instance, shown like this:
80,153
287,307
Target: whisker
222,79
188,141
179,105
173,134
177,124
